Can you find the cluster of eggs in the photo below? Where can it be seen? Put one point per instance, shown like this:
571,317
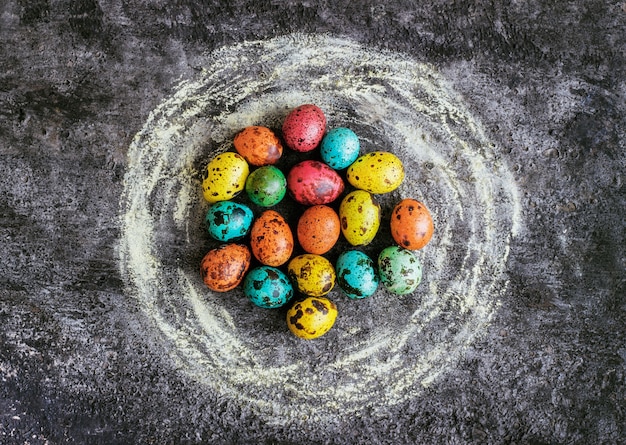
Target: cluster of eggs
315,185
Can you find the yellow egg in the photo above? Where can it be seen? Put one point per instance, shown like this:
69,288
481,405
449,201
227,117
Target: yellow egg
376,172
224,177
312,317
359,214
311,274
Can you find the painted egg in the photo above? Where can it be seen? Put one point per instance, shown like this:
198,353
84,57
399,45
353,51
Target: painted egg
314,183
360,217
258,145
399,269
228,220
340,148
266,186
304,127
224,177
356,274
312,317
267,287
224,267
311,274
376,172
411,224
271,239
318,229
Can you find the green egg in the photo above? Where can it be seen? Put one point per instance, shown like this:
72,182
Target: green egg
266,186
399,269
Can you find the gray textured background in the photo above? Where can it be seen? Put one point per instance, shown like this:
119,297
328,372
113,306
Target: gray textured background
79,78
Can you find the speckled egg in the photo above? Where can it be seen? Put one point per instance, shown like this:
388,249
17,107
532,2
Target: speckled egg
311,274
266,186
224,177
312,317
376,172
228,220
411,224
271,239
318,229
224,267
267,287
340,148
258,145
313,183
359,214
399,269
356,274
304,127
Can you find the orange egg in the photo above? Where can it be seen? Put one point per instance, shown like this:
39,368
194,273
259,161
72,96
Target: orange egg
318,229
224,267
271,239
411,224
258,145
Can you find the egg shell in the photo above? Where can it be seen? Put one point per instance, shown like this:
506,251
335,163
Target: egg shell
356,273
399,269
359,214
271,239
304,128
311,275
340,148
376,172
223,268
228,221
266,186
267,287
411,224
318,229
313,183
311,317
258,145
224,177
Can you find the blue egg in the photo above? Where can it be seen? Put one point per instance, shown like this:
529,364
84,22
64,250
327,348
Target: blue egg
228,220
400,270
340,148
267,287
356,274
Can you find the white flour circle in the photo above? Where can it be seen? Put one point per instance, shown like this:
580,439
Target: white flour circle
381,351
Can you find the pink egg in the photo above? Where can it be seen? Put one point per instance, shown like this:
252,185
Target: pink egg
304,128
314,183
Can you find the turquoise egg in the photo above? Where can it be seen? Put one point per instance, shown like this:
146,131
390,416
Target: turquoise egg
267,287
266,186
228,220
340,148
399,269
356,274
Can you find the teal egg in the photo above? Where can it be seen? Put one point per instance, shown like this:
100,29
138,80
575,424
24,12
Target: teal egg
228,220
340,148
266,186
356,274
267,287
399,269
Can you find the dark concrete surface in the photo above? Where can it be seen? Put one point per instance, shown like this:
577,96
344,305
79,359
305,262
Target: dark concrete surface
80,77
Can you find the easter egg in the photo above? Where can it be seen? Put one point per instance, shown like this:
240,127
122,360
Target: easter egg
267,287
224,177
258,145
340,148
411,224
228,220
359,214
356,274
266,186
399,269
224,267
318,229
311,317
304,128
271,239
313,183
311,274
376,172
